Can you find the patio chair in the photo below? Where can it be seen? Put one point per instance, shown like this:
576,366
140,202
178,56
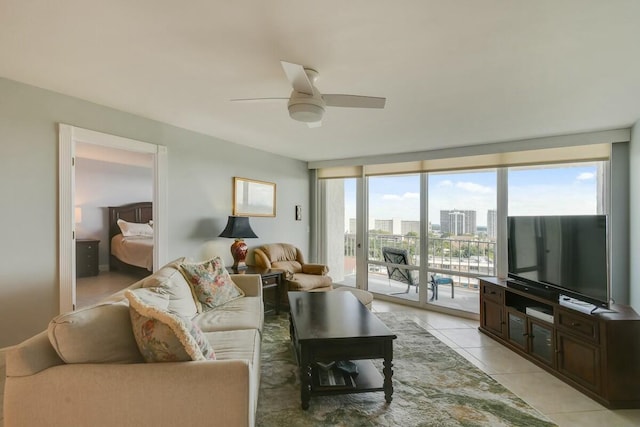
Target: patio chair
399,274
435,281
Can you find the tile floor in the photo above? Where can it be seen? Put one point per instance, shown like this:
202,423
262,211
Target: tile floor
562,404
558,401
90,290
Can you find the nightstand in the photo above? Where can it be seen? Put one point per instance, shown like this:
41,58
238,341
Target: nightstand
87,257
271,280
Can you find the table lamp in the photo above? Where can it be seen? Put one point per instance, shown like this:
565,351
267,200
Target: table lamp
238,228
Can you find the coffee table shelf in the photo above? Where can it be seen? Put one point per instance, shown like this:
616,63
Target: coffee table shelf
368,379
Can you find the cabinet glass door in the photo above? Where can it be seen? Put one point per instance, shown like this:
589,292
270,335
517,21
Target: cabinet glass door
517,329
542,342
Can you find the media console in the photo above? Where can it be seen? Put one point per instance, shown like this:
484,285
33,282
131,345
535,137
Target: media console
598,354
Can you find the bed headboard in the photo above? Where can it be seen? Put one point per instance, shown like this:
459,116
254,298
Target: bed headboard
134,212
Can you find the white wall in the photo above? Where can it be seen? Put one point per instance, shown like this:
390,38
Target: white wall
102,184
634,214
200,174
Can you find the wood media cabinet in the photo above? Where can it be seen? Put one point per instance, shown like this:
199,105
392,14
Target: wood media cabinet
597,353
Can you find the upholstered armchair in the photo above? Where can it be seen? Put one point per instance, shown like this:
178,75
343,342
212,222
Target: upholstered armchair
300,276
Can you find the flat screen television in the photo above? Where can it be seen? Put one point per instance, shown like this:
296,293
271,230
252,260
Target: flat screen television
568,254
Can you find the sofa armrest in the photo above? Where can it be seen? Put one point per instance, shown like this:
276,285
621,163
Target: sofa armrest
261,259
141,394
251,284
318,269
31,356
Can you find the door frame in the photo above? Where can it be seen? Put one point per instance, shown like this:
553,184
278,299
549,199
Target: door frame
68,137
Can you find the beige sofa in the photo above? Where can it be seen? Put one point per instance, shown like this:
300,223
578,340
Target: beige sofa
86,370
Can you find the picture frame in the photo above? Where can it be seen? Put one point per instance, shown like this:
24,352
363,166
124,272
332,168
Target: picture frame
253,198
298,212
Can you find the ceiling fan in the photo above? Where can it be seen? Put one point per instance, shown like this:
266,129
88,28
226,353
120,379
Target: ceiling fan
307,104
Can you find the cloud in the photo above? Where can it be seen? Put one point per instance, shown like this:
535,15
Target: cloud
585,176
474,188
405,196
445,183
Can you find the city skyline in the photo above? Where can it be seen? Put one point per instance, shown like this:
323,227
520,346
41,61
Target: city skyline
548,190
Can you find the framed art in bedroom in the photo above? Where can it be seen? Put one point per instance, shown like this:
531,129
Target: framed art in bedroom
253,198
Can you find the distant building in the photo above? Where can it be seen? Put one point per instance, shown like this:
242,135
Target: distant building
458,222
391,226
492,224
407,227
352,226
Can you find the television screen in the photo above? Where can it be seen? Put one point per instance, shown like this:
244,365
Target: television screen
569,253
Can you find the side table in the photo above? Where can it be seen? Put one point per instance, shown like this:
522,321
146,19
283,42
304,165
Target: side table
87,257
271,279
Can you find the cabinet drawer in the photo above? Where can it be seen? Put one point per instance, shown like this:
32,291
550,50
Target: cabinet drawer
269,281
579,325
493,293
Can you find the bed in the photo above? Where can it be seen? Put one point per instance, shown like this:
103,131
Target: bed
131,253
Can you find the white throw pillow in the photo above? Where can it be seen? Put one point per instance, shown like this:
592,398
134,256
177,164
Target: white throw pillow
130,229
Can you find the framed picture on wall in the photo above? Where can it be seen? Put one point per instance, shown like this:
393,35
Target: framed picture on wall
253,198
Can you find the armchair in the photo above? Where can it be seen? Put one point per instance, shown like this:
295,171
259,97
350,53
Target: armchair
299,276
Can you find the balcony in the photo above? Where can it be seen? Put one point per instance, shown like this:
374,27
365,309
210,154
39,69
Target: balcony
461,259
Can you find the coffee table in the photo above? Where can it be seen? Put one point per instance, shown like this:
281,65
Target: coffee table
333,326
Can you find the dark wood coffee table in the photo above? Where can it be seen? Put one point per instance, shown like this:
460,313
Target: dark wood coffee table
332,326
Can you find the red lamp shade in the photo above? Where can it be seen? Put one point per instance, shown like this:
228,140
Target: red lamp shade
238,228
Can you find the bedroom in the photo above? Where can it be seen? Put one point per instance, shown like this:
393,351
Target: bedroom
105,178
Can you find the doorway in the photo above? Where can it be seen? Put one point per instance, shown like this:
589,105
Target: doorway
69,138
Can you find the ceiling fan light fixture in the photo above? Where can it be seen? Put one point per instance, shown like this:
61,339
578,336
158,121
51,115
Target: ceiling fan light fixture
307,113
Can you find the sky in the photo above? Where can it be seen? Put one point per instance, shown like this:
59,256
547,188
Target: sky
548,190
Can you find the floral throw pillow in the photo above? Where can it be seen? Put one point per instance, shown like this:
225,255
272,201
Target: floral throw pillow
211,284
162,336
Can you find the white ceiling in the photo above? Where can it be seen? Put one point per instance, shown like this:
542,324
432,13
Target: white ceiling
454,73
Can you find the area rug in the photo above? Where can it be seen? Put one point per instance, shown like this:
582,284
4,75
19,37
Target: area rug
433,386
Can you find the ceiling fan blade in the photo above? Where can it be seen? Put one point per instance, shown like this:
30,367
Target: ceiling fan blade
354,101
314,124
298,78
258,99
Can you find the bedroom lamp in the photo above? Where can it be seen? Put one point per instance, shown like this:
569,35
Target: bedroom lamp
77,215
238,228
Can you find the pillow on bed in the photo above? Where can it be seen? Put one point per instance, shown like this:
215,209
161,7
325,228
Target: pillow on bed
130,229
210,283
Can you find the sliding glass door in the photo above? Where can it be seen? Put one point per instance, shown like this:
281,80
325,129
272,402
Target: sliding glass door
425,238
393,251
462,236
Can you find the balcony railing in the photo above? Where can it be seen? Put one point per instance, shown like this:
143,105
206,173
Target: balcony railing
469,257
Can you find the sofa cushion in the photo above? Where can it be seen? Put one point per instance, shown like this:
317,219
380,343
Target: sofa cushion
281,252
96,334
242,313
181,299
307,282
290,267
120,294
320,269
211,283
162,336
243,344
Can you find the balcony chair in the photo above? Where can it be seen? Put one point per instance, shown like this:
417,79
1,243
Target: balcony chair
403,275
299,276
